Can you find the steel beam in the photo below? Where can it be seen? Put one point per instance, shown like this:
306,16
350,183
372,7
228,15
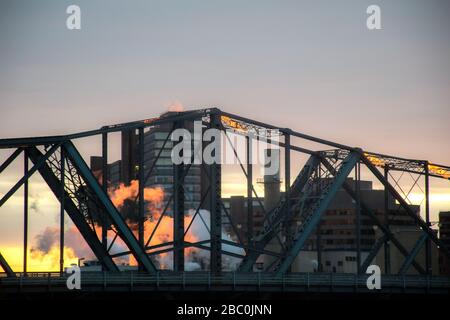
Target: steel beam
61,211
280,212
178,211
105,177
287,185
373,252
387,249
410,258
110,210
5,266
72,210
419,221
25,211
37,141
287,131
10,159
215,206
367,211
428,265
28,174
141,217
311,222
358,216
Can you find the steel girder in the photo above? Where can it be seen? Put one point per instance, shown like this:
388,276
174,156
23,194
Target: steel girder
396,164
415,250
419,221
317,208
29,173
4,264
106,207
73,211
110,210
276,216
215,207
42,141
10,159
373,253
178,213
367,211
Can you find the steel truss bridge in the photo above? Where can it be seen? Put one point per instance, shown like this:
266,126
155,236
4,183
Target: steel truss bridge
290,224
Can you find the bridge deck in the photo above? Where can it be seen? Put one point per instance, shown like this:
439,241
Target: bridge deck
227,281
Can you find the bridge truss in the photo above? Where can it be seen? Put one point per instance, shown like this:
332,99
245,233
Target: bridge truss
84,198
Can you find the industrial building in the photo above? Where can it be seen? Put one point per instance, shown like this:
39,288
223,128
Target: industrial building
444,235
334,244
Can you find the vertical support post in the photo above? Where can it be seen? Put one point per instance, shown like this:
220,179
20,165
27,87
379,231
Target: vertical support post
61,212
319,236
428,265
215,207
178,211
141,191
387,249
105,186
287,182
358,216
249,190
25,212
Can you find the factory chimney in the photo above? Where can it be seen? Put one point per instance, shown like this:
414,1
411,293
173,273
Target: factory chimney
271,179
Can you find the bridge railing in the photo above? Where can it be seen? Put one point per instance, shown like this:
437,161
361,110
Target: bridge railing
232,279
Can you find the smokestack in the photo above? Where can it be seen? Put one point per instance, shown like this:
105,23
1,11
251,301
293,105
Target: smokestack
271,183
271,179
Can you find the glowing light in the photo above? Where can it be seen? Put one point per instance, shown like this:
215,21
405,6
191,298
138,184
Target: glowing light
228,122
150,120
375,160
439,171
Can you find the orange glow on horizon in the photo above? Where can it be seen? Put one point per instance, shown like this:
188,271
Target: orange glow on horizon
38,261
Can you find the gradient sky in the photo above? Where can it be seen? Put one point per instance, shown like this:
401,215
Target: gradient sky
309,65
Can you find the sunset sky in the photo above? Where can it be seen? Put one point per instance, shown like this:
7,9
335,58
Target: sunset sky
312,66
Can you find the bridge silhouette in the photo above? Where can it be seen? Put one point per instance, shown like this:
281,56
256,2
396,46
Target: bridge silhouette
286,228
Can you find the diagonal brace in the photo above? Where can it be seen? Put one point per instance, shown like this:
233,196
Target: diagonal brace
4,264
111,211
419,221
312,221
37,165
367,211
373,253
410,258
